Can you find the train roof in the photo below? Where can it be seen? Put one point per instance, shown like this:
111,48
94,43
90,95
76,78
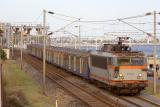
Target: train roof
86,53
120,50
77,52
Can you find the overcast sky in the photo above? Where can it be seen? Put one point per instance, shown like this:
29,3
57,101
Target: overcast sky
28,10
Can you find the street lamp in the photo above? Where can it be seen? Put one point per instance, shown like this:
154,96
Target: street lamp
69,24
50,12
44,47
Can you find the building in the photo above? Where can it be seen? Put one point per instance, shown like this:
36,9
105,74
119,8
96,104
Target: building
7,29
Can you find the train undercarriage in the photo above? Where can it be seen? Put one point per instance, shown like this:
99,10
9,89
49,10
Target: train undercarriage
122,88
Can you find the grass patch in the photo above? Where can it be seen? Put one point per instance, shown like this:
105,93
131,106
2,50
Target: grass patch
149,90
21,90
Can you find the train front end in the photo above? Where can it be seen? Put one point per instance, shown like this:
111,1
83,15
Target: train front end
130,73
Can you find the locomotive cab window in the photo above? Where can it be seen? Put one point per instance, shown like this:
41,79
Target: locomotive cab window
137,61
123,61
99,62
131,61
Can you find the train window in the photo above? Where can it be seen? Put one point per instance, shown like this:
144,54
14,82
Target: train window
109,61
99,62
124,61
137,61
131,61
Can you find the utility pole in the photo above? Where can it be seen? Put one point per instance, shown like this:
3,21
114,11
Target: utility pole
12,42
75,42
79,35
154,53
44,50
1,82
21,46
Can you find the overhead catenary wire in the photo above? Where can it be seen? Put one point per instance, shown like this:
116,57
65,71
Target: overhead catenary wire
132,17
135,27
64,15
97,21
65,26
105,22
61,18
38,17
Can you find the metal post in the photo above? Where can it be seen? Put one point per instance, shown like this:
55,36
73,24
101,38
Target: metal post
21,46
79,35
1,85
1,42
155,43
75,42
96,44
61,41
1,82
44,50
12,44
38,39
15,40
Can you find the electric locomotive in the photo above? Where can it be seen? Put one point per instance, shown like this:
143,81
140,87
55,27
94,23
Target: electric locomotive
119,69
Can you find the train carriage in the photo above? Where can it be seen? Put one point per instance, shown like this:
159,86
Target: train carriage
77,63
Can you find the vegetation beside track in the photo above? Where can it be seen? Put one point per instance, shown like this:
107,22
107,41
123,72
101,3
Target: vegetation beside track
149,89
21,90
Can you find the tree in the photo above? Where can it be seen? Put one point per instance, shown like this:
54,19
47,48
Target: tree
3,55
1,35
1,32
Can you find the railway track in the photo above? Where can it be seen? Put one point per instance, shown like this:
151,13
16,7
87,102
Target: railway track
140,101
89,98
151,101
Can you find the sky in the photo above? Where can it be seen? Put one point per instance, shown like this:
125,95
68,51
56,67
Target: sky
29,10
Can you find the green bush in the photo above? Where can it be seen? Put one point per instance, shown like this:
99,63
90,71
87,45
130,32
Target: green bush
3,55
1,31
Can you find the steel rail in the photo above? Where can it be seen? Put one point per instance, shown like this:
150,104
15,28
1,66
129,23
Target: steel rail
50,74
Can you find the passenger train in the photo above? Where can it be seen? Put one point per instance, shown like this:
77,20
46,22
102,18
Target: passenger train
115,67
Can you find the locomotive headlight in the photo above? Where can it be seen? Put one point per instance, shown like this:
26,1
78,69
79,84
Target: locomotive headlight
140,75
120,75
